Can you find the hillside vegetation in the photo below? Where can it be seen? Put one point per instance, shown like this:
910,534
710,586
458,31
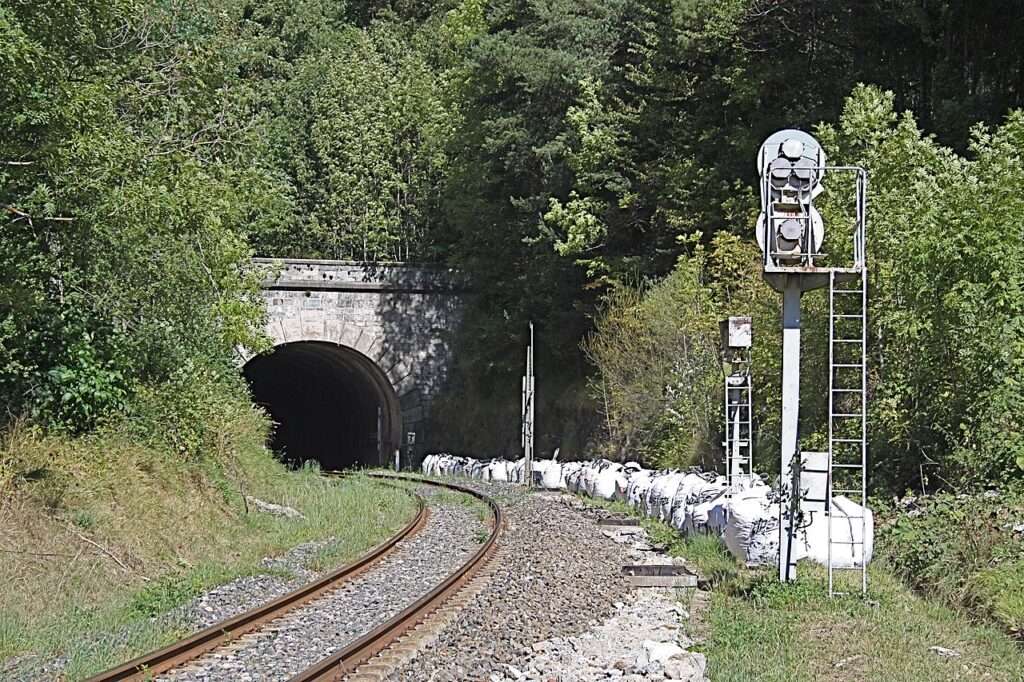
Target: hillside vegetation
588,165
561,153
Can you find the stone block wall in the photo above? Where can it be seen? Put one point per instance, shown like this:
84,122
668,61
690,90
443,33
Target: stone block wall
401,317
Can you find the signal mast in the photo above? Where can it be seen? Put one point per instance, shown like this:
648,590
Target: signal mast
791,232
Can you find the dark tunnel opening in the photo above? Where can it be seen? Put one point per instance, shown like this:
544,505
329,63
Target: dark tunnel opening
329,403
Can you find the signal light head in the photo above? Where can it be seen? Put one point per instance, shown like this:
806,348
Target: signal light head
791,164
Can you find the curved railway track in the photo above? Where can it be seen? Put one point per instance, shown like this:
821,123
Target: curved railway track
353,654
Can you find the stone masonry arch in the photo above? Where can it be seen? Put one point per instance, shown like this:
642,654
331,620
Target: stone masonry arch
349,337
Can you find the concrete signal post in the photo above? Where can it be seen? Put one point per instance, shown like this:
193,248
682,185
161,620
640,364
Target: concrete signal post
791,232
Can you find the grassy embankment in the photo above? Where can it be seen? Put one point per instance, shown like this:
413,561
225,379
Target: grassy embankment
753,628
99,534
967,550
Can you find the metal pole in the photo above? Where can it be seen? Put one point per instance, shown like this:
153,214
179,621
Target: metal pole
790,425
531,405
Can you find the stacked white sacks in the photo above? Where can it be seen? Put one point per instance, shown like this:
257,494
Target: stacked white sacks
746,517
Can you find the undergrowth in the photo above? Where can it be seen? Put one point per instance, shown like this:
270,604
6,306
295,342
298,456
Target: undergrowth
962,549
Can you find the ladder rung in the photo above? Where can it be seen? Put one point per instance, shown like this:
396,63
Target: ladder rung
847,364
847,440
848,317
847,390
848,414
847,291
845,542
848,492
847,340
847,466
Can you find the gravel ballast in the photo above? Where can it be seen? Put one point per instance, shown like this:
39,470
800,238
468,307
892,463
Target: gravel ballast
315,630
557,585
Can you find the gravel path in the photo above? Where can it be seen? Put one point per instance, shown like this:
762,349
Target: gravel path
304,636
557,607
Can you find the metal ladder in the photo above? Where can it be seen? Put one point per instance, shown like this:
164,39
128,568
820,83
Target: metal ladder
739,408
847,421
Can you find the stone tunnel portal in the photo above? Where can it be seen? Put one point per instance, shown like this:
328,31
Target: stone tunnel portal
329,403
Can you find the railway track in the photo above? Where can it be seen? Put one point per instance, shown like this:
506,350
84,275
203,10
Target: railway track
220,639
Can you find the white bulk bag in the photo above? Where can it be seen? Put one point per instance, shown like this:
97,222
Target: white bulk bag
515,474
547,473
497,470
661,495
682,500
609,482
846,528
636,492
708,516
752,530
569,469
591,470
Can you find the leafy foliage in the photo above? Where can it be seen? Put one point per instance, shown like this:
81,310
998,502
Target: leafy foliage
560,153
947,295
962,549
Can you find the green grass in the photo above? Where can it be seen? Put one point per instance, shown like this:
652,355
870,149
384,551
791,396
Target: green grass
107,539
769,631
753,628
962,551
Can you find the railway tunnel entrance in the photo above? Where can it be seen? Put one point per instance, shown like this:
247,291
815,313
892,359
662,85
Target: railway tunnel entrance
329,403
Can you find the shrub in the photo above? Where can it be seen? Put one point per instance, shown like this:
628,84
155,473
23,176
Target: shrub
960,548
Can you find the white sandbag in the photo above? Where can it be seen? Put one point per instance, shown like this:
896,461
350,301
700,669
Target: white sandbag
574,481
589,474
752,531
708,517
547,473
569,469
636,491
610,482
515,474
847,528
661,494
498,470
682,500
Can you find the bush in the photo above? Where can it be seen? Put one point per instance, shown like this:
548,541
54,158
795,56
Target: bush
947,293
657,354
962,549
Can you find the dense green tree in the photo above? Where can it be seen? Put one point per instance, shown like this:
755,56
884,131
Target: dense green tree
127,202
361,135
947,293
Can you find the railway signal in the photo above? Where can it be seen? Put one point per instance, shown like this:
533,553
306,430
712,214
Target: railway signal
528,412
790,231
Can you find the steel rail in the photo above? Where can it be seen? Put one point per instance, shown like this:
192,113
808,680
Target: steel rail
146,666
349,658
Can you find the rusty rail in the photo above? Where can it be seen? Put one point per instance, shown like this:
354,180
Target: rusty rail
346,660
